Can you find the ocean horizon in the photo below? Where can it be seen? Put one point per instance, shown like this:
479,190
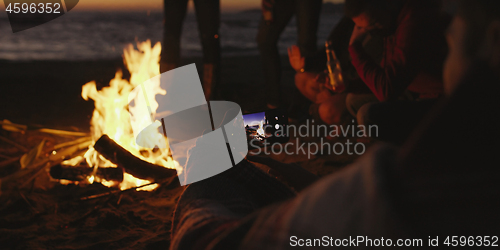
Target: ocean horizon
90,35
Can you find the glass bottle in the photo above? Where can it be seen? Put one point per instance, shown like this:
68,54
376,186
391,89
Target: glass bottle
334,69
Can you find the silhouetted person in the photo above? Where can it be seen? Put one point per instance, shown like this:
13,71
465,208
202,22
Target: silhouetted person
276,15
208,17
313,81
442,182
406,82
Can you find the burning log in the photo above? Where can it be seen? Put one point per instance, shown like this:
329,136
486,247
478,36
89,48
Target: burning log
54,159
82,172
131,164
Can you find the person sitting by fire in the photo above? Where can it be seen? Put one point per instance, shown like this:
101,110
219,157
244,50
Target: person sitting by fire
406,83
312,78
423,190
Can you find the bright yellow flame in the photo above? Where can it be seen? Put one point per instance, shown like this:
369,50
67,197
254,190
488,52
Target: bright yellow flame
91,179
112,115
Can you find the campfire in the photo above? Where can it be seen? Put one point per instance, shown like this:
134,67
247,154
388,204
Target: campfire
112,117
109,154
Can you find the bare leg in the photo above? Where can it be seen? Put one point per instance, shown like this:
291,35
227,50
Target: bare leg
267,42
174,14
208,17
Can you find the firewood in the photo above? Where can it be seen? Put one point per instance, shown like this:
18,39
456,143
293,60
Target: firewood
9,161
53,160
130,163
62,132
95,196
7,125
5,156
28,174
21,178
17,145
82,172
71,143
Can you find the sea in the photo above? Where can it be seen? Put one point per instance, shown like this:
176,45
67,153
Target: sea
85,35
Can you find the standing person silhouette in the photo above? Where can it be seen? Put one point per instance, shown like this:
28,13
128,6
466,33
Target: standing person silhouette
208,18
275,16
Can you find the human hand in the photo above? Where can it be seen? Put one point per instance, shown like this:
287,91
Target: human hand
323,81
296,60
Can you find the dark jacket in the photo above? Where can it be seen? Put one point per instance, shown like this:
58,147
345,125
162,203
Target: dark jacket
447,175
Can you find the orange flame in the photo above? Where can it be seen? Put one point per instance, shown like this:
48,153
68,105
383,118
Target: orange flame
112,115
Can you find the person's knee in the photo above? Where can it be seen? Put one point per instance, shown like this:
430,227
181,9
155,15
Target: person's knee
333,111
325,115
329,114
